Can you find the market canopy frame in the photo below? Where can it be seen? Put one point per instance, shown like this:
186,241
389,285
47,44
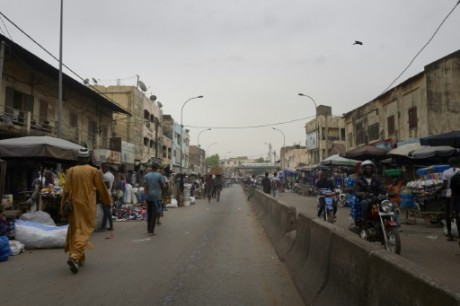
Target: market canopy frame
433,151
366,152
39,147
446,139
337,160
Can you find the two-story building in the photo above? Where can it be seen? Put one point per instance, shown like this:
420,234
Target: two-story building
29,101
29,106
426,104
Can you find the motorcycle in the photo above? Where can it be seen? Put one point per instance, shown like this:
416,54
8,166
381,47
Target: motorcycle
381,225
327,206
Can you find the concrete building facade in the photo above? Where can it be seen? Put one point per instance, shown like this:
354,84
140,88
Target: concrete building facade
423,105
323,132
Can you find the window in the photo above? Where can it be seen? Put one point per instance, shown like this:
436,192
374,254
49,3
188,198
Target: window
412,117
373,131
391,125
43,113
92,130
73,120
360,134
18,100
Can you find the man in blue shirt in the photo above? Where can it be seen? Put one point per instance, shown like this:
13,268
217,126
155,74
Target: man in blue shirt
153,181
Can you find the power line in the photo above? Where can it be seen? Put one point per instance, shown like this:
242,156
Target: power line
6,28
248,126
54,57
424,46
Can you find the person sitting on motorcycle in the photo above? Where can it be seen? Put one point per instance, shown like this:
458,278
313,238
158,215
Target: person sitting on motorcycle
326,184
366,187
352,199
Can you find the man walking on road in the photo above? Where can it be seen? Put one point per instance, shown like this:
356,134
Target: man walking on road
108,181
266,184
275,184
153,182
81,184
447,193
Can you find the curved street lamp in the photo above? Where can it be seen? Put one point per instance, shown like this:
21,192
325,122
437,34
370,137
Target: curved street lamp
182,131
317,124
313,100
198,138
284,137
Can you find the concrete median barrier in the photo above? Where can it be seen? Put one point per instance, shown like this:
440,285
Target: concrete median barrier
347,269
279,222
394,280
333,266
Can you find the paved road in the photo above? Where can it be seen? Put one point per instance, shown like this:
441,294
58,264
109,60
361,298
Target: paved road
204,254
425,246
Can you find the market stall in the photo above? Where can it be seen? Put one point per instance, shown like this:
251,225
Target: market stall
427,192
25,157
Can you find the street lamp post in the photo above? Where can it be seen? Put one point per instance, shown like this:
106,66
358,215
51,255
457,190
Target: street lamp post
198,138
284,144
182,131
284,137
198,144
317,124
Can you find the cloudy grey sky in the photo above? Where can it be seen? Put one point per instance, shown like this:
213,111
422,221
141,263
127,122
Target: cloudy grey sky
249,58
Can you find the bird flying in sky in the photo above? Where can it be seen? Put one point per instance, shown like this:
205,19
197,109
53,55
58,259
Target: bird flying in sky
357,42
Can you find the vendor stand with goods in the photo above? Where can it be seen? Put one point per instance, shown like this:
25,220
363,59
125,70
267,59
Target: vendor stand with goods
427,192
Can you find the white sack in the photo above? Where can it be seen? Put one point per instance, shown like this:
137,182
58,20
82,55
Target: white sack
173,204
40,236
39,217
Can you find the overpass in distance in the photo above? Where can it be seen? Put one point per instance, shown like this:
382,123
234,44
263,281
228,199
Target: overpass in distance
248,169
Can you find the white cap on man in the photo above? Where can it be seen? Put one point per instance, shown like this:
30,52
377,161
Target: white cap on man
83,153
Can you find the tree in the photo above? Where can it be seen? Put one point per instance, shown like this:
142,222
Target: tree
260,160
213,160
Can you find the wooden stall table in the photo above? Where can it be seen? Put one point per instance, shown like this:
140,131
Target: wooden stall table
433,208
409,213
52,205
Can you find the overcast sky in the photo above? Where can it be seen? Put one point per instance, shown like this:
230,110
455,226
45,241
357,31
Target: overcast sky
248,58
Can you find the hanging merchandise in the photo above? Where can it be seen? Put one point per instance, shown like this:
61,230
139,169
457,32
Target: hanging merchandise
427,189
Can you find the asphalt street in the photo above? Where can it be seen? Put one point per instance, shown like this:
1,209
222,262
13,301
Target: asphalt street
425,246
205,254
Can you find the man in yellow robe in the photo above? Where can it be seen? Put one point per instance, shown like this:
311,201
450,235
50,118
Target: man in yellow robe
81,184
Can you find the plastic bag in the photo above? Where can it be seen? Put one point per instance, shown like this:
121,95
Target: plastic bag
173,204
453,228
36,235
16,247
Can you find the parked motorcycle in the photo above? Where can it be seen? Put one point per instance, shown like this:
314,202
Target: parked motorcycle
329,197
381,225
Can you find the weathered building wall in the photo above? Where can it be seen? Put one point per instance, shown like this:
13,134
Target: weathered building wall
443,94
78,111
425,104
